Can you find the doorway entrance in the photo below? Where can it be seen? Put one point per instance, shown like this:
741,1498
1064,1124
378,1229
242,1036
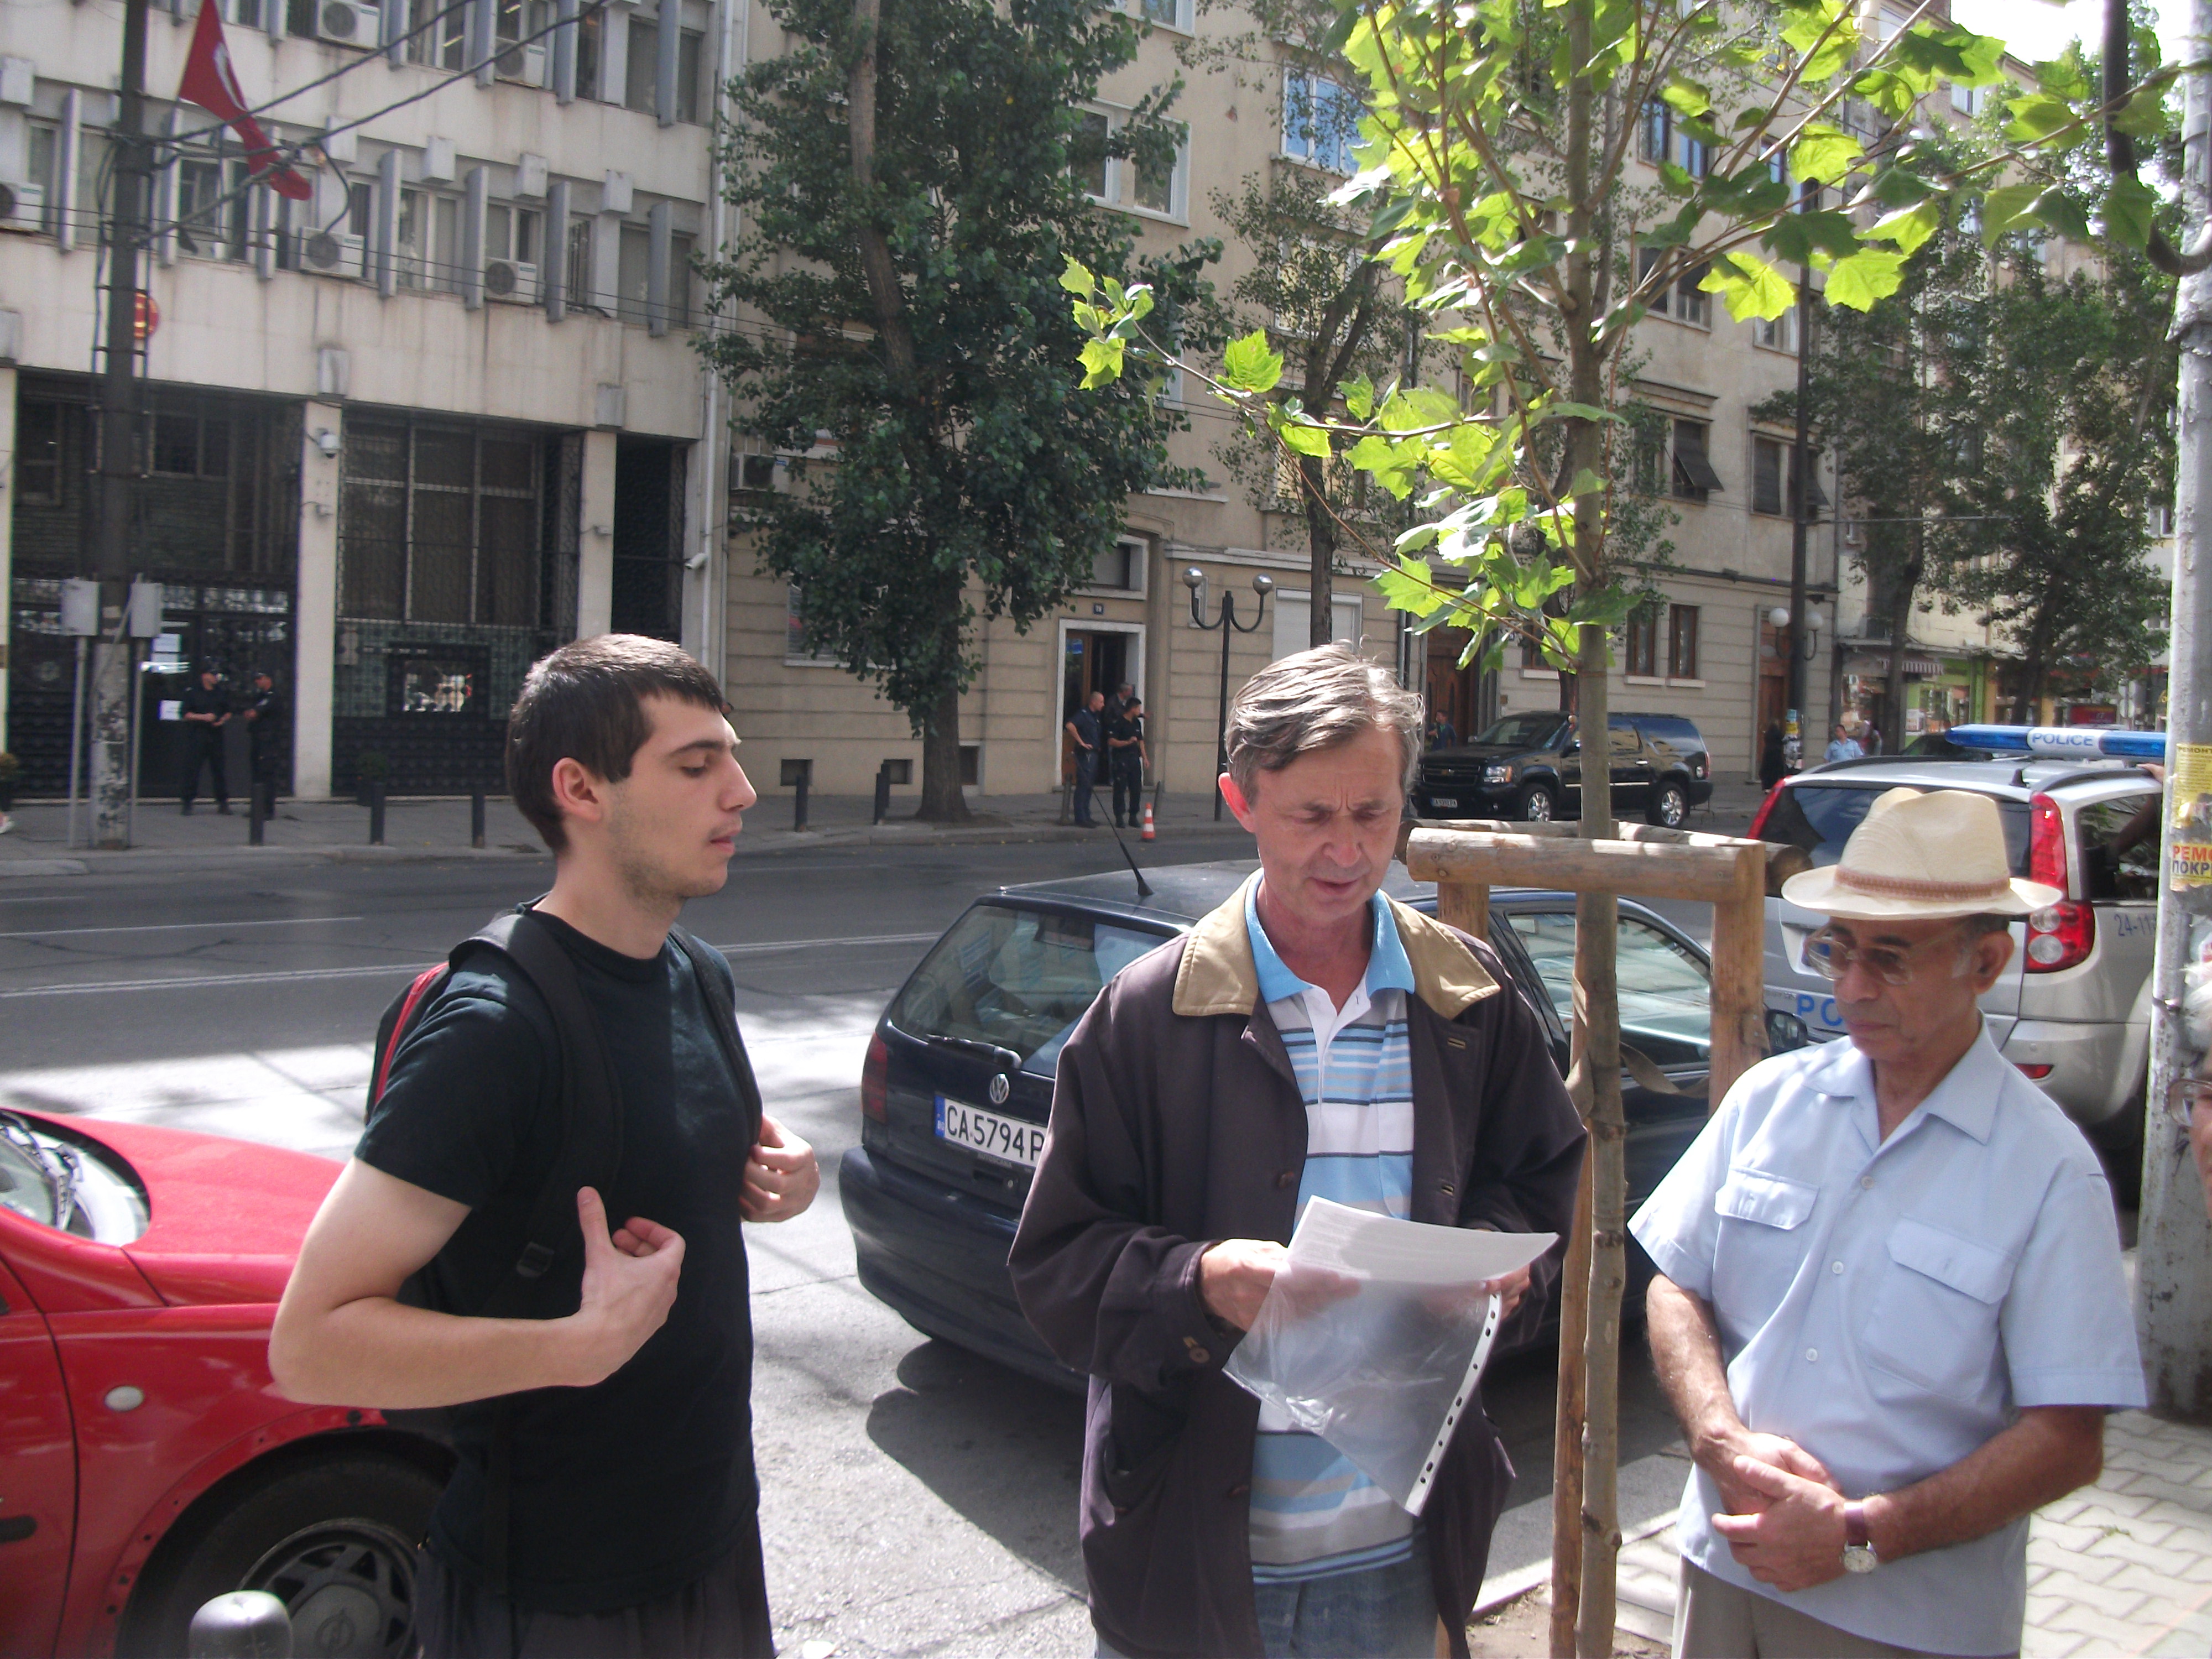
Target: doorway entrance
1092,660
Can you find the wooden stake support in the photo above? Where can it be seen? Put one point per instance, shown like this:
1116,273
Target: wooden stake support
1466,859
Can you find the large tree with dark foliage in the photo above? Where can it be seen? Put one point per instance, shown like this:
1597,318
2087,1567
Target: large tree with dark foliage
908,181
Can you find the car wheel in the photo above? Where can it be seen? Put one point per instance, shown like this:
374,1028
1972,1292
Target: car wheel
1670,805
1537,804
333,1540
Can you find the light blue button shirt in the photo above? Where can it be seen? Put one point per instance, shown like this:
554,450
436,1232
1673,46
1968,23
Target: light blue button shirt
1890,1306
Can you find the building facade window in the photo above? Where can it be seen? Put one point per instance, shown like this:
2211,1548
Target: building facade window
1682,641
1164,187
1694,476
1320,122
1777,333
795,653
1766,466
38,452
1654,133
438,524
1156,187
1643,654
1168,14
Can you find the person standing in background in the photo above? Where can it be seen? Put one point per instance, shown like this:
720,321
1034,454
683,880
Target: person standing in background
1088,727
1125,759
206,711
267,721
1773,766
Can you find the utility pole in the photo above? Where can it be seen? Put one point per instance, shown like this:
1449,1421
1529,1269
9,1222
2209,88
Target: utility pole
112,786
2173,1278
1800,484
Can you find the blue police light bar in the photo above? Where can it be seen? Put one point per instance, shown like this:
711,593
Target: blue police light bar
2063,742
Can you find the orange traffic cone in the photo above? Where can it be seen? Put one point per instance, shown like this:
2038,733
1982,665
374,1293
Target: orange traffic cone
1147,835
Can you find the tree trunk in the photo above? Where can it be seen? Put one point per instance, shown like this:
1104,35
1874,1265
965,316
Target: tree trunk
941,799
1892,714
1321,539
883,291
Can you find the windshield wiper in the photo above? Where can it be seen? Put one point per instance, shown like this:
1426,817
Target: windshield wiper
1008,1060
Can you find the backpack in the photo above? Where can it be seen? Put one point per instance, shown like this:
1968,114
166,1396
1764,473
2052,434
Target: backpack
547,1271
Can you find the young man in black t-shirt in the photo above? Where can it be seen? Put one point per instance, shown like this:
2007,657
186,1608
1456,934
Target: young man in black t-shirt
631,1502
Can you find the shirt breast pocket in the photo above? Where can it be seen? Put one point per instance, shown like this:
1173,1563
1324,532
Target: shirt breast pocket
1755,1256
1934,1319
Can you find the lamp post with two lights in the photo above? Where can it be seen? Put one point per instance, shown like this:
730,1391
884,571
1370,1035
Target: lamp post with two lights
1194,580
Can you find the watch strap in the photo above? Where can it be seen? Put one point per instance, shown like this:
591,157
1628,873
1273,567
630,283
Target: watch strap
1855,1526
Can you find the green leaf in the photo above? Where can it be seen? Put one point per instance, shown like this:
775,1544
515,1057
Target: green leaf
1870,274
2063,214
2036,116
1586,482
1358,398
2128,205
2004,208
1686,98
1824,153
1246,364
1077,278
1795,237
1910,227
1301,439
1103,359
1751,287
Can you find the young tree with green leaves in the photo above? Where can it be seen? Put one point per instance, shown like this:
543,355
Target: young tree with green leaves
907,176
1497,161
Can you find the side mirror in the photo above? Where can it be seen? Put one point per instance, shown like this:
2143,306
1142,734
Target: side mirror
1785,1032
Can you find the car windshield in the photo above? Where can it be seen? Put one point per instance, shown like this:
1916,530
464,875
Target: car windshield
1017,978
1666,1000
58,1183
1529,731
1819,819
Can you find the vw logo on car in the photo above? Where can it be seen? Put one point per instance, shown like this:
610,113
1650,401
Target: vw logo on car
1001,1086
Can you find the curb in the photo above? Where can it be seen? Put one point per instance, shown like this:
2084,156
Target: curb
1507,1587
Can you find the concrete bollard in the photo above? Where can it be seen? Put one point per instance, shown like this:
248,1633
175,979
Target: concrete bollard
376,813
882,791
798,799
243,1625
477,819
257,814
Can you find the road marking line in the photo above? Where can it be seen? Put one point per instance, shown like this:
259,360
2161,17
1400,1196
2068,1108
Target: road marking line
218,982
173,926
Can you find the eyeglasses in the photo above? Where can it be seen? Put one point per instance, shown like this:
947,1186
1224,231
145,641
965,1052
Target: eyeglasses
1831,958
2182,1095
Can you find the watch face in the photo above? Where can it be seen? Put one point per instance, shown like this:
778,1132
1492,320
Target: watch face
1860,1557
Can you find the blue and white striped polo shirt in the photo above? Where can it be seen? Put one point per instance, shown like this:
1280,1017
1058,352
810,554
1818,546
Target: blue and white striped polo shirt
1313,1513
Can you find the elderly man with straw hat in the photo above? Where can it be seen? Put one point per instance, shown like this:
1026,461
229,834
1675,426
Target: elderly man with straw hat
1890,1311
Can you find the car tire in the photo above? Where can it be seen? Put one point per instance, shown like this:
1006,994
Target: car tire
333,1540
1670,805
1537,804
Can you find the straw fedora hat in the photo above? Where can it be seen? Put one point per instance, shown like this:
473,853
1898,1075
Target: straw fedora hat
1922,855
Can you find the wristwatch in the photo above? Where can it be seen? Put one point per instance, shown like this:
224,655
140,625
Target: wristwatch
1858,1545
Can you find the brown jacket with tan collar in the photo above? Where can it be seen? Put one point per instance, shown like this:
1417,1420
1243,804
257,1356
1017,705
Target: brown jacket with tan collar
1177,1123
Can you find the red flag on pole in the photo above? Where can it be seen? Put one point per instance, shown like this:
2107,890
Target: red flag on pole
210,82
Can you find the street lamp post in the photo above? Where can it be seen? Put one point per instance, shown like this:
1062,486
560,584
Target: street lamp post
1194,580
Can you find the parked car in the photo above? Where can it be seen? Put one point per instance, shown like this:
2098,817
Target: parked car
1529,766
2073,1008
958,1085
149,1462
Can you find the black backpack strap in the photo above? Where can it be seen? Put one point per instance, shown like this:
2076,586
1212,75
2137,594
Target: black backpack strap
723,1007
591,1109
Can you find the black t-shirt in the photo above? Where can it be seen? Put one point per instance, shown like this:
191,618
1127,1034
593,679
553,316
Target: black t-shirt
633,1488
200,700
1123,727
267,725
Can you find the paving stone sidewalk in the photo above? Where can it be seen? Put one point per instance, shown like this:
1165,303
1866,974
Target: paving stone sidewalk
2122,1568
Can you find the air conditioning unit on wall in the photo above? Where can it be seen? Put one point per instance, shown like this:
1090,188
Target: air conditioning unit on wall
523,65
328,254
511,280
22,206
346,22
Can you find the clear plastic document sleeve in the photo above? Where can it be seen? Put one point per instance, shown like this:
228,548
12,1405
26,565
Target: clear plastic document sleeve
1375,1337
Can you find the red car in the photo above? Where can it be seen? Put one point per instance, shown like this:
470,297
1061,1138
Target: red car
147,1461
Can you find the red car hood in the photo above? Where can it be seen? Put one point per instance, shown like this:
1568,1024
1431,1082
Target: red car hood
227,1215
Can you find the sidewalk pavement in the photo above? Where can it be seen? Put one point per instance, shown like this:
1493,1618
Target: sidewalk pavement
2123,1567
437,827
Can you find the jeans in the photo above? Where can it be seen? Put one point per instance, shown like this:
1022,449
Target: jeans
1385,1613
1129,786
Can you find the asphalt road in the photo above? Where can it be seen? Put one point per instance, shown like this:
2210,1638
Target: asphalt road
917,1499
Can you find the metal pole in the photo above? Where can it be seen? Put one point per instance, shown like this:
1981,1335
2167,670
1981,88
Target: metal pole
110,785
1801,461
376,813
477,818
1221,720
76,743
2173,1288
138,705
798,799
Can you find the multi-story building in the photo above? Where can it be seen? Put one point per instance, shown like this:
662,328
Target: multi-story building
400,438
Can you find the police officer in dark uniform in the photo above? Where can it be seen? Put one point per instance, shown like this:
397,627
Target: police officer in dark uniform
1124,754
206,709
265,717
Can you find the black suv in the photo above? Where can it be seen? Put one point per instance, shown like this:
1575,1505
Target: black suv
1529,766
